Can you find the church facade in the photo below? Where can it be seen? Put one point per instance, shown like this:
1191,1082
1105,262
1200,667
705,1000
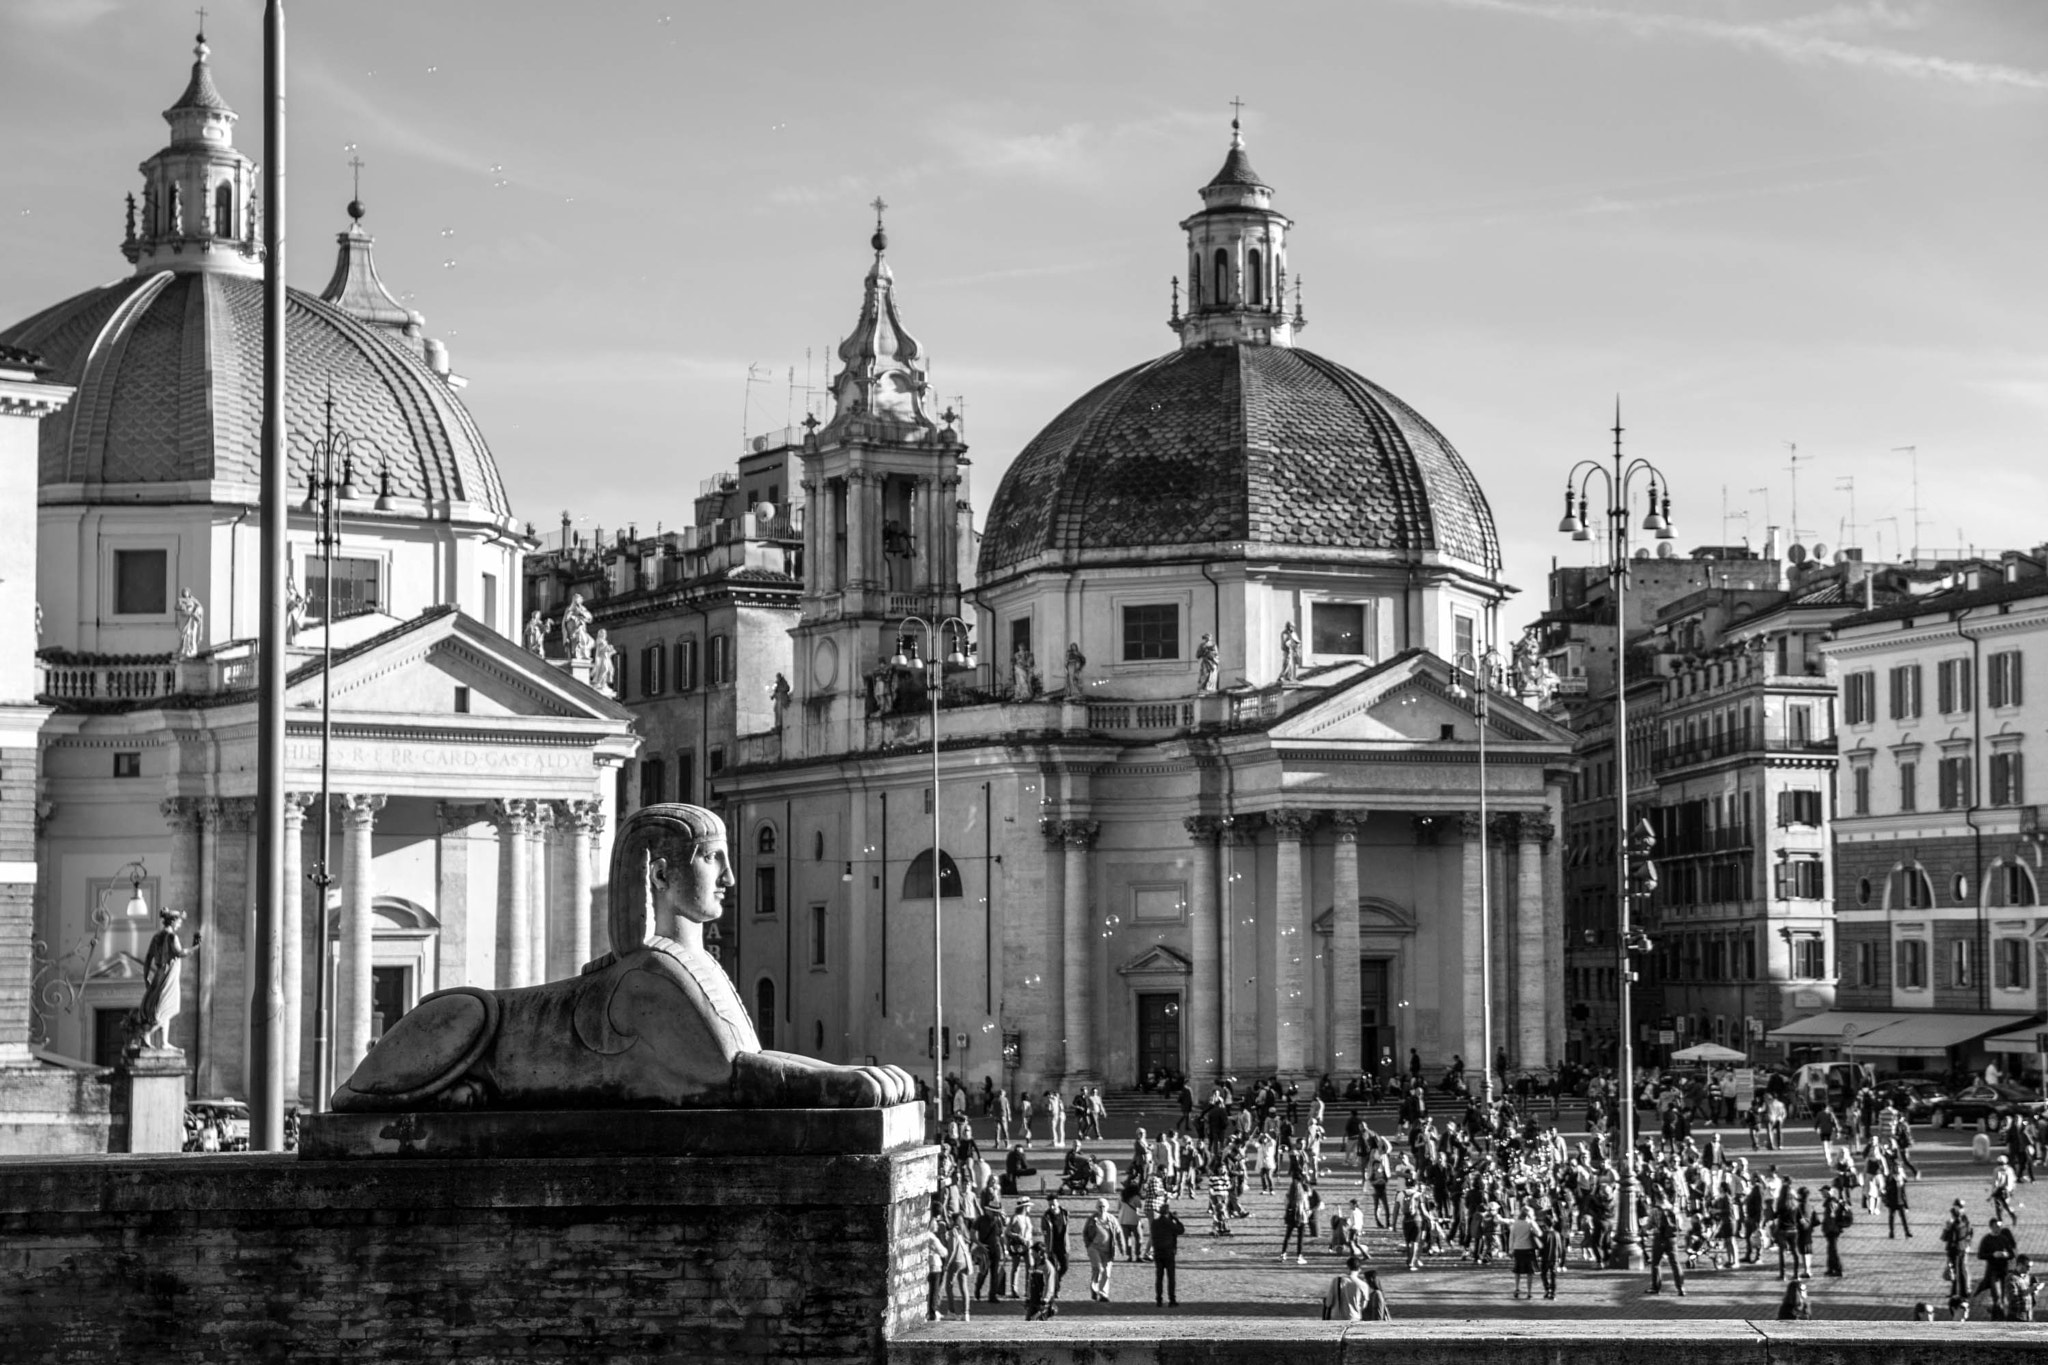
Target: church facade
469,783
1211,802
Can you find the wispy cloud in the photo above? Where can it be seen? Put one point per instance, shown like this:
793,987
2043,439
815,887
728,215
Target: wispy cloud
1806,41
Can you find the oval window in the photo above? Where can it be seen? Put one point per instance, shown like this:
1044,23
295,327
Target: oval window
1863,891
1962,888
818,846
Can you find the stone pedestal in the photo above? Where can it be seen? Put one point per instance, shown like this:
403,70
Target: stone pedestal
149,1101
627,1236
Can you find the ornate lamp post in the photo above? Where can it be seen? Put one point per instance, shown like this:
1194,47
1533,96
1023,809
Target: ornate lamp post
934,668
1482,668
1618,479
325,490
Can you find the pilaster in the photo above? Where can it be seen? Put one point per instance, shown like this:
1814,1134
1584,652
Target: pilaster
353,978
1205,938
231,862
294,948
1471,922
584,821
1346,1042
1076,838
515,918
1290,941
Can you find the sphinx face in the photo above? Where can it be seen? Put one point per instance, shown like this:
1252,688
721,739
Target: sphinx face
703,879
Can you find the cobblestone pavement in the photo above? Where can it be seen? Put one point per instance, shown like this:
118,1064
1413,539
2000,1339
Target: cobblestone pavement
1244,1275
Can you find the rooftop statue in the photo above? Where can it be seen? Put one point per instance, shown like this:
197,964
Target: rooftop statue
655,1023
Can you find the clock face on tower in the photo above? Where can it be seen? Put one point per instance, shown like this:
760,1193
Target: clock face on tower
825,665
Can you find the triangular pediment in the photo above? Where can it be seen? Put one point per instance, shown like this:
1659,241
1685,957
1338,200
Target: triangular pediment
1409,699
424,666
1157,961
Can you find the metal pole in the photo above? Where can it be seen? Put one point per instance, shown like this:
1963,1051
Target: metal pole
1627,1248
1479,686
323,876
935,672
267,1004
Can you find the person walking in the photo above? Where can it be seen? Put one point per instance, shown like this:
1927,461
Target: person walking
1024,1108
1166,1232
1828,1127
1294,1223
1551,1240
1667,1234
1056,1115
1522,1248
1996,1251
1053,1237
1002,1118
1896,1204
959,1265
1100,1238
2001,1192
1038,1304
1835,1218
1804,1222
1956,1238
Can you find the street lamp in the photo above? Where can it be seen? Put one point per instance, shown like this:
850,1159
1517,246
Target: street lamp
325,491
934,668
1630,850
1482,668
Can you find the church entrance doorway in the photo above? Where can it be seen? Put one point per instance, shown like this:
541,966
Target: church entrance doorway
1376,1014
390,996
1158,1035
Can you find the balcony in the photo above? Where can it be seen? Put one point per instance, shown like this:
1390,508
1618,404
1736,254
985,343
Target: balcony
1665,757
119,682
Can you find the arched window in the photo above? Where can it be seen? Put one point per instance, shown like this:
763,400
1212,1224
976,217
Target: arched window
1911,889
764,842
764,1011
818,1037
1222,275
224,210
917,880
2012,884
1254,280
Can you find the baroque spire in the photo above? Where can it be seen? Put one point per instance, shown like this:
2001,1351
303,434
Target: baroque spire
1237,259
882,366
199,209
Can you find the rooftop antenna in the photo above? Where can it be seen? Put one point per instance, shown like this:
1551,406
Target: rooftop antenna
1847,484
1793,446
1767,508
756,374
1728,514
1916,509
1879,521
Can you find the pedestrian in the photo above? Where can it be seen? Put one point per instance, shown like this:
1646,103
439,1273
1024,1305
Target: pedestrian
1002,1118
1795,1306
1127,1215
1053,1237
1166,1232
1024,1109
1038,1305
2001,1191
1019,1236
1996,1251
1411,1226
1835,1218
1294,1223
1522,1248
1896,1204
988,1240
1550,1251
1375,1302
1344,1300
1827,1126
2020,1287
935,1245
1667,1233
1056,1115
1957,1237
1101,1236
959,1264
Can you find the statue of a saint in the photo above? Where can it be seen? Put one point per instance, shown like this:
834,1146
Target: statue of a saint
537,635
655,1022
294,605
39,623
604,658
778,697
1205,666
191,623
1076,661
1290,654
150,1025
131,218
576,628
1023,670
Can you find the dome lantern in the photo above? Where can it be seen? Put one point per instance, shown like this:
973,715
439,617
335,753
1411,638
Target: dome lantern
882,376
199,207
1237,260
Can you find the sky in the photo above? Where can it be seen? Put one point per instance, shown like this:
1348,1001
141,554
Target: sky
1761,223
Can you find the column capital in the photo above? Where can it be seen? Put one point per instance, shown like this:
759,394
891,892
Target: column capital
1071,833
1346,823
1202,829
296,804
235,814
451,816
1501,829
584,817
184,814
359,809
543,816
1291,823
513,816
1468,824
1536,826
1231,832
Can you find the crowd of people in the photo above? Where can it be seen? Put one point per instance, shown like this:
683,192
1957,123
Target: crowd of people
1488,1184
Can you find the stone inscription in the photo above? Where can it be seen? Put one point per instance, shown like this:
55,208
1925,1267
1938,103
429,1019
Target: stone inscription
438,758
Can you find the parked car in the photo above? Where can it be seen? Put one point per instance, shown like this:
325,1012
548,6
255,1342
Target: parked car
1985,1101
231,1117
1914,1099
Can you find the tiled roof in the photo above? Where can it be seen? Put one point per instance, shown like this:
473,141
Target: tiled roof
199,91
1237,170
1269,445
169,373
14,358
1942,603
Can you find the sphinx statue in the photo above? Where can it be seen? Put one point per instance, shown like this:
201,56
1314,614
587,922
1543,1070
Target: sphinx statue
654,1023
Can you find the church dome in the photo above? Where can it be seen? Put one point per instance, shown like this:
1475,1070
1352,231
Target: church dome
169,372
1232,444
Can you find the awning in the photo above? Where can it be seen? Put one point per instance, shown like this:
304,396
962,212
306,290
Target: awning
1918,1033
2025,1038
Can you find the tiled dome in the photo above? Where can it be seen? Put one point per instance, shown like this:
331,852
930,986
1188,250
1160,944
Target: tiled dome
169,370
1237,445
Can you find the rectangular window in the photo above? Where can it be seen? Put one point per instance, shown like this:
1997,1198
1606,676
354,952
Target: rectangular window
1905,692
1337,628
2007,785
1020,635
764,891
1909,786
653,671
1911,963
1464,634
686,665
686,776
1151,631
141,582
1802,725
653,782
1801,879
2014,963
1859,698
127,765
1809,958
2004,682
1959,956
354,589
491,601
461,701
1799,808
818,935
1953,783
718,667
717,759
1866,964
1860,780
1952,686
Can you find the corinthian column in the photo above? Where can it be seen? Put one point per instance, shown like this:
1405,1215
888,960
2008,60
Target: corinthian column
585,821
1472,934
1532,966
352,1012
1290,943
1347,1036
1077,935
1205,946
538,899
515,919
292,944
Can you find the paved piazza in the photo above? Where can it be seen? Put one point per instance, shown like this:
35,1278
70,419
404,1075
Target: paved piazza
1243,1274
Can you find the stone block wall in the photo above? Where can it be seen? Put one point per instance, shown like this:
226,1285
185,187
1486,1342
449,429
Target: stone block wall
201,1260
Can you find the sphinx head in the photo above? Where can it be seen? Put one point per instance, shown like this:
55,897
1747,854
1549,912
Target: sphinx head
669,863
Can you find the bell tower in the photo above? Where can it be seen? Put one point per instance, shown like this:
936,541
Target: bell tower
199,208
888,521
1237,262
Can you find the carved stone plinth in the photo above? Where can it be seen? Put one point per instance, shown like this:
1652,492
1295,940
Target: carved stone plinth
149,1101
499,1134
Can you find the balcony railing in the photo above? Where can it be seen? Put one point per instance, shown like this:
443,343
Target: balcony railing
109,680
1664,757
